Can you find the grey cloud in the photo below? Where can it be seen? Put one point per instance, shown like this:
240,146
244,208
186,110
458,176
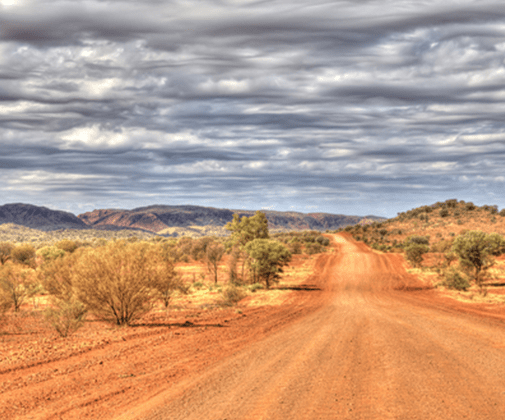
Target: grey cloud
331,102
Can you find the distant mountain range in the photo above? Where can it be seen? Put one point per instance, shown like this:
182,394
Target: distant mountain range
168,220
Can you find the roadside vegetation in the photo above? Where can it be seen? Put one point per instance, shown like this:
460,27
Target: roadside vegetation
120,279
457,245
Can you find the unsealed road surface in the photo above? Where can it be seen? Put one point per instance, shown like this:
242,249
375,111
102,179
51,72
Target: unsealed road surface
371,352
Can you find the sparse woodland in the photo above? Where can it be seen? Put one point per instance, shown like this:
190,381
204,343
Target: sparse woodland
118,277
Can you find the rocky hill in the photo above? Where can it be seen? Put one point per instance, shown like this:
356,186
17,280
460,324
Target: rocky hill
168,220
40,218
440,223
174,220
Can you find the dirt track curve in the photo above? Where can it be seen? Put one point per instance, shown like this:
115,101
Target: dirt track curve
371,351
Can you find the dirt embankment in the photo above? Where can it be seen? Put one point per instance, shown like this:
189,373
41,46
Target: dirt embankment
363,341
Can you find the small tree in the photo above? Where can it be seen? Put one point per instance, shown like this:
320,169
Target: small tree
496,244
24,254
246,229
268,258
454,280
17,283
415,247
120,281
474,249
214,253
66,314
5,252
167,279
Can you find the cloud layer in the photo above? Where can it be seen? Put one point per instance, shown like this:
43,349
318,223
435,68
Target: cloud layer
368,107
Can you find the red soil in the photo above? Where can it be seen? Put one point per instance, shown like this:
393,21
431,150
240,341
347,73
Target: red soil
365,340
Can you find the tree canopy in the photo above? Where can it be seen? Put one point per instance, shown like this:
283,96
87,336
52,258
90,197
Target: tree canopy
246,229
474,249
268,258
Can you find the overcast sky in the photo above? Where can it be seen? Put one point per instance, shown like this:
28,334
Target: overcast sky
349,107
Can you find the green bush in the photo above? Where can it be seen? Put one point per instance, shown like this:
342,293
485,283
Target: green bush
48,253
414,252
454,280
474,249
314,248
267,259
421,240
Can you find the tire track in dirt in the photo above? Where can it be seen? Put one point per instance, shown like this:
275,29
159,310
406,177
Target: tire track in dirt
369,352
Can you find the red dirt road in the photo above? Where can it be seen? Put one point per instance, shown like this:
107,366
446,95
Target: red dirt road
374,349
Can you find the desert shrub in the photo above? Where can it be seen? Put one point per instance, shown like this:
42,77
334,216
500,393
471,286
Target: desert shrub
17,283
67,245
295,247
414,252
469,206
184,246
167,283
5,303
48,253
232,295
421,240
474,251
56,276
453,279
502,212
450,257
322,240
66,316
496,244
314,248
451,203
199,247
24,254
443,212
443,246
5,251
120,281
